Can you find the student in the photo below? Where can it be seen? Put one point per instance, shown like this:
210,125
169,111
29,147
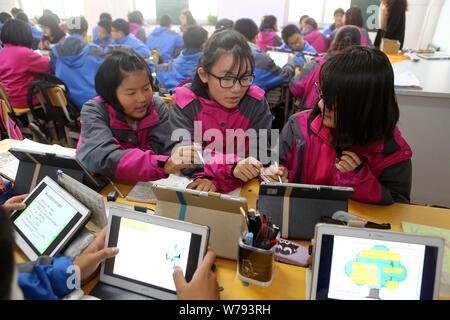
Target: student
19,65
268,33
15,12
76,62
353,17
170,75
392,21
303,85
136,20
124,129
120,32
267,74
104,38
350,138
302,22
338,22
4,16
294,42
95,31
221,98
48,278
165,40
186,20
36,32
224,24
315,38
52,32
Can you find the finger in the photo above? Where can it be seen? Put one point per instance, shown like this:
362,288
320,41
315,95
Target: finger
350,161
254,171
354,156
247,173
193,185
20,198
208,261
345,166
104,254
340,167
201,186
178,278
240,175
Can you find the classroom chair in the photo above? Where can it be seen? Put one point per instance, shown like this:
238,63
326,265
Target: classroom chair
280,98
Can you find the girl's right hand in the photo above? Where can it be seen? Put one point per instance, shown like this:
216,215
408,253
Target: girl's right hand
247,169
185,157
274,174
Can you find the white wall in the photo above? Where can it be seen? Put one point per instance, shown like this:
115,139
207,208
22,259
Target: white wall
441,37
7,5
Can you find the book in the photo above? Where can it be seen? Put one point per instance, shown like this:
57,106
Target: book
8,165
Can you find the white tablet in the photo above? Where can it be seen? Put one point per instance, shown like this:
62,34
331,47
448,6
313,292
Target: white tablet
50,220
368,264
150,246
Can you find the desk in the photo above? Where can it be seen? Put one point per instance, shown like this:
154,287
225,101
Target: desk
424,116
289,281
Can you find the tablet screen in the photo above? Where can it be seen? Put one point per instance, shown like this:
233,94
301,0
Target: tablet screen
148,253
46,219
280,58
357,268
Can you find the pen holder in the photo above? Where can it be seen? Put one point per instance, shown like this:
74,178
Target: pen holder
255,265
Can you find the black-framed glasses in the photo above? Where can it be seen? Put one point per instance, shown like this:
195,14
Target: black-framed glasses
227,82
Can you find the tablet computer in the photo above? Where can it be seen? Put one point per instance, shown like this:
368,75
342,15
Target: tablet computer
371,264
150,246
50,220
280,58
296,208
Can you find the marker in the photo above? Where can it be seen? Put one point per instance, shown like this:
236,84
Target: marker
279,178
115,187
250,239
199,153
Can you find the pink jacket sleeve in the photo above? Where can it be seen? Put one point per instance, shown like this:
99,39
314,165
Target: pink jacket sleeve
137,165
38,63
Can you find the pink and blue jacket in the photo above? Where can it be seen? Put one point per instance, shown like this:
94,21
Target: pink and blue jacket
253,112
110,146
268,38
318,41
306,150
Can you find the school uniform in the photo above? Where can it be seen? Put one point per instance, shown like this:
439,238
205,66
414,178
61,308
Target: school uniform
135,44
184,67
166,41
37,35
104,43
365,38
77,63
328,31
110,146
251,113
299,57
268,38
95,37
307,151
19,66
318,41
303,85
267,74
138,31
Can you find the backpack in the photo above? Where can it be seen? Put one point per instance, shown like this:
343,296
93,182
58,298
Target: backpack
8,127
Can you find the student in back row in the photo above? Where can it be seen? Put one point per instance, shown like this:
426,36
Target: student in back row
168,42
53,34
267,74
314,37
294,42
120,32
267,36
170,75
351,137
95,31
338,22
353,17
136,20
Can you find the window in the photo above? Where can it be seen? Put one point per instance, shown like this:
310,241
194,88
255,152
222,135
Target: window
321,10
201,9
147,7
63,8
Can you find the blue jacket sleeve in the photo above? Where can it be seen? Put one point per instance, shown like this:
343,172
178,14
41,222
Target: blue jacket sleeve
46,279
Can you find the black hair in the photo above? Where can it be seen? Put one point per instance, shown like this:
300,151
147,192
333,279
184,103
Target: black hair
224,24
358,85
51,22
4,16
117,65
50,12
121,25
77,25
339,11
190,18
303,17
345,37
22,16
136,17
288,31
247,27
228,41
15,11
106,16
18,33
268,22
194,37
7,262
353,17
312,22
165,21
105,24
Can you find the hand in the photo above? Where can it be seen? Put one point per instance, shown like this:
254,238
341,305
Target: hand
185,157
291,59
247,169
202,185
273,173
95,254
348,162
203,285
15,203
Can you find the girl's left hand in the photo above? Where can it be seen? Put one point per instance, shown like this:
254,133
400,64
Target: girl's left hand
15,203
202,185
349,161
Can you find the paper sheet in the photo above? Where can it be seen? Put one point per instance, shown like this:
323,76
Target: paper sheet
8,165
406,79
280,58
443,233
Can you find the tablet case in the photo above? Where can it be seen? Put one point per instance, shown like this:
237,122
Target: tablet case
34,167
297,208
223,217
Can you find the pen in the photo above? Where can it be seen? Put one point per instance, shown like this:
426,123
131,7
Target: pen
276,166
115,187
199,153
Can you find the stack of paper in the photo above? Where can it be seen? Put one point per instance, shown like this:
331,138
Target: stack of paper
8,165
406,79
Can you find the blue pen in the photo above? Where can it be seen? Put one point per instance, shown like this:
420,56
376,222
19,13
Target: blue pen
250,239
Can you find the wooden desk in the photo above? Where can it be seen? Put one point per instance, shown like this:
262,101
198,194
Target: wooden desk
289,281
